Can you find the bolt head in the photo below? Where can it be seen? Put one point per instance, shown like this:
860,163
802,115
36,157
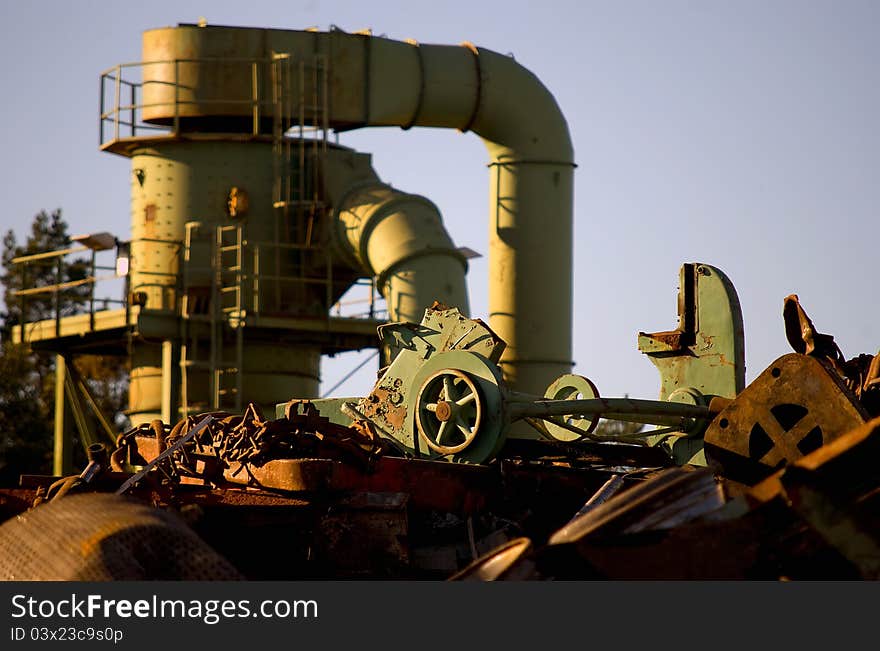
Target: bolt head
444,411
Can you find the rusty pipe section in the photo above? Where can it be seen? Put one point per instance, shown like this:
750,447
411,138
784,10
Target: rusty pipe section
399,239
226,73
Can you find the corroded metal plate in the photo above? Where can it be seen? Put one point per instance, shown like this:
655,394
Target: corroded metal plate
794,407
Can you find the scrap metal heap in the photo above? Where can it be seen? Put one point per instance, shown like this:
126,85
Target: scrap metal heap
443,472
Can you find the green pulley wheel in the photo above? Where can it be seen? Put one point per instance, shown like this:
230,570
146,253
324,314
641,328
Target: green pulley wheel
571,387
458,407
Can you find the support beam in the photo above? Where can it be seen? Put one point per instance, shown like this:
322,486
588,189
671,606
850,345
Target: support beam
168,399
63,454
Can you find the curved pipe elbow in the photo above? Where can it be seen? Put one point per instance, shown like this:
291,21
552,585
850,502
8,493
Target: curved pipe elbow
399,239
527,127
470,89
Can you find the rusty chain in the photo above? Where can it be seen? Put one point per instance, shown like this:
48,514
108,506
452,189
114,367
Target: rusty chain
250,438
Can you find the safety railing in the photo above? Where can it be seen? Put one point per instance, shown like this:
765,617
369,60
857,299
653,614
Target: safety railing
361,301
122,102
273,287
264,278
53,286
77,280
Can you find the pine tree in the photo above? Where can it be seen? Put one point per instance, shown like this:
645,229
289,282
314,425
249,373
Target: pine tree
27,378
48,233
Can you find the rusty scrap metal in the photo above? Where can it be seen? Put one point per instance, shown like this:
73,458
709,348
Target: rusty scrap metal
802,334
444,339
505,563
365,534
702,358
242,448
834,490
605,493
167,453
430,484
794,407
97,466
669,499
861,374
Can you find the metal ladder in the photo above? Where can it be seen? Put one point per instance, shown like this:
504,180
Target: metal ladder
299,135
228,319
223,318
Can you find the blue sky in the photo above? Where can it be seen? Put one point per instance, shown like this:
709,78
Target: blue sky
743,135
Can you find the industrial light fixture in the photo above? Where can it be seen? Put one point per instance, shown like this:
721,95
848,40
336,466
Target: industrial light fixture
104,242
96,241
123,256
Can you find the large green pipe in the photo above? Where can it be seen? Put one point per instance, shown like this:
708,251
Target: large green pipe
399,239
380,82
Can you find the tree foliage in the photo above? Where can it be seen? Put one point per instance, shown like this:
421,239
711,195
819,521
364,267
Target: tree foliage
27,378
617,428
48,233
25,415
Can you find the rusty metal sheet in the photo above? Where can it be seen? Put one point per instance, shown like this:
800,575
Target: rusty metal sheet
793,408
835,490
144,450
671,498
385,402
767,543
434,485
365,534
295,475
240,497
14,501
506,562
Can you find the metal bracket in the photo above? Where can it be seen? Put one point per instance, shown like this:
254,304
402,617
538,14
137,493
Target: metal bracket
705,356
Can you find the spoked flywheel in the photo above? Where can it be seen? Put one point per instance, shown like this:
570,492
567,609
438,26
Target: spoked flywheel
450,411
457,407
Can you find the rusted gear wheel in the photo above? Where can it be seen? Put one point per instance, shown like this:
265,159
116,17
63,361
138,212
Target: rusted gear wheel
450,411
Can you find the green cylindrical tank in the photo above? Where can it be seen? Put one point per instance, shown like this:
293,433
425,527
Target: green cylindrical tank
272,374
177,183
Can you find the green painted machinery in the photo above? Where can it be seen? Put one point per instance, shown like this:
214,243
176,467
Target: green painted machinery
443,395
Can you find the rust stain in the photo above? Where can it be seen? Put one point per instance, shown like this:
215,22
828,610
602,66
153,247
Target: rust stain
675,339
380,403
150,222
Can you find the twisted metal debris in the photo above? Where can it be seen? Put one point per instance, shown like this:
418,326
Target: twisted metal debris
202,446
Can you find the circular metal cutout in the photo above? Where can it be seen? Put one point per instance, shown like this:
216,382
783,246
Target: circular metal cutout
571,387
449,412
